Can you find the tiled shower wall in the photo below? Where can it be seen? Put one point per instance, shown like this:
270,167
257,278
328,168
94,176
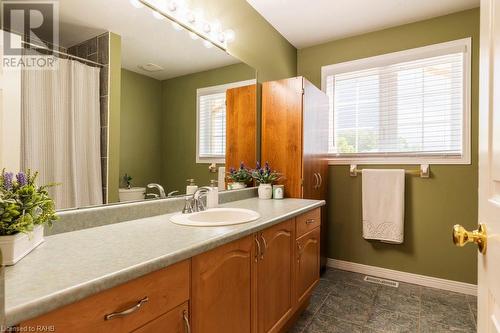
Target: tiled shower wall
97,49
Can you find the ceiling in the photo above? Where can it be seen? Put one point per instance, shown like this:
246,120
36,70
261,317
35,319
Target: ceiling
306,23
144,38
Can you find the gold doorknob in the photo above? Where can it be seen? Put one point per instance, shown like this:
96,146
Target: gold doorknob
462,236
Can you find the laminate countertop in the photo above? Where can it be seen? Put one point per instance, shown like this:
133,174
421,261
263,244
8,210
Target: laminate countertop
70,266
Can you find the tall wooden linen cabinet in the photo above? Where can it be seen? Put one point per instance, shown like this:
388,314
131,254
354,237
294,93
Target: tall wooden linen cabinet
295,139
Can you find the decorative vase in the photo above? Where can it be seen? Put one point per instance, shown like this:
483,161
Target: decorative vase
15,247
236,186
265,191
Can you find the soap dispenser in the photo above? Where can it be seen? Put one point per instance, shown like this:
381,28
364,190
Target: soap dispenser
191,187
213,195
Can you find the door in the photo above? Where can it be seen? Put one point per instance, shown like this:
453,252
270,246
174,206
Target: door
308,262
282,131
275,271
223,288
241,126
489,167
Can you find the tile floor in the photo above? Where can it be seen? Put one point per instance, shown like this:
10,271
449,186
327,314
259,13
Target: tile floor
344,303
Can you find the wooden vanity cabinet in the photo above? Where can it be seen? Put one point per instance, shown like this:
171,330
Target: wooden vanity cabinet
294,131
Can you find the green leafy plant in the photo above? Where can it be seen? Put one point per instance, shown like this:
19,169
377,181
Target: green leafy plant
264,175
241,175
23,204
127,181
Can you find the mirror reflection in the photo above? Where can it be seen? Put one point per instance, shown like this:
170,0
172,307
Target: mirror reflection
129,112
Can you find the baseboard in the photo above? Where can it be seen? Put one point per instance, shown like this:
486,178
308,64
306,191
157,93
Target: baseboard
422,280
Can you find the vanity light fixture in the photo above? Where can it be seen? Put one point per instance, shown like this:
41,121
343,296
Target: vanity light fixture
191,20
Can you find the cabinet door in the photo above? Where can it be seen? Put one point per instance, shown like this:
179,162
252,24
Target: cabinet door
308,261
174,321
241,126
223,288
282,131
275,272
315,142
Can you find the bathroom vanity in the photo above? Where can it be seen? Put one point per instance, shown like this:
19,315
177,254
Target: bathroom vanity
155,276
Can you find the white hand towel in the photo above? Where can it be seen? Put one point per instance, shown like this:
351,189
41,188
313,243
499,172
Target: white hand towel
383,204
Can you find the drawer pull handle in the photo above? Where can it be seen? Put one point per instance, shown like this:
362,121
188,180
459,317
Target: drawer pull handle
258,249
127,311
310,221
265,246
186,321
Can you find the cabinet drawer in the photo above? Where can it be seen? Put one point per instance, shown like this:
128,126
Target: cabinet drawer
174,321
308,221
164,290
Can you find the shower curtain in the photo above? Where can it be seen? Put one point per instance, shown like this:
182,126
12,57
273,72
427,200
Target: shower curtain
60,134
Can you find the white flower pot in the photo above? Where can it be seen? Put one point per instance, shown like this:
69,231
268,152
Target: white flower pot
15,247
265,191
236,186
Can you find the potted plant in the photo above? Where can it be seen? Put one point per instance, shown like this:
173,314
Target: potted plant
265,177
240,177
24,209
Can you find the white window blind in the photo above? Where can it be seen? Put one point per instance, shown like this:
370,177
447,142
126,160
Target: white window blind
211,122
212,125
411,104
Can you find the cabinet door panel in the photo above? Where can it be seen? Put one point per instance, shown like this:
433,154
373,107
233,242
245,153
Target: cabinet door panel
222,288
308,261
275,272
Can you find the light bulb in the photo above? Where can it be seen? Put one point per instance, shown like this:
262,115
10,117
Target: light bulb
221,37
136,3
177,26
157,15
193,36
172,6
190,17
207,44
229,35
206,27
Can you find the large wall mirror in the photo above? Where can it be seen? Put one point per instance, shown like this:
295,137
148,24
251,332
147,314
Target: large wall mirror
133,97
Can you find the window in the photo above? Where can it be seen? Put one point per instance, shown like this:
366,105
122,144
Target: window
211,122
406,107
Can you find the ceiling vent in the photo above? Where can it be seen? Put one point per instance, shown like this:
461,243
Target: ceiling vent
151,67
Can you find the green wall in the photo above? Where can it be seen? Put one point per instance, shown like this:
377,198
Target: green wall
179,124
140,127
433,205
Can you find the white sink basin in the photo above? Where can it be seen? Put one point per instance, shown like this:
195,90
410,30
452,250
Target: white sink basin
216,217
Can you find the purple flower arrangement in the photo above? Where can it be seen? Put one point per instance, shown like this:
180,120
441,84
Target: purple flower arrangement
23,204
265,175
240,175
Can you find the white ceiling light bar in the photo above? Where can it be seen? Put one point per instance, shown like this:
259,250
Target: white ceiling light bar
192,21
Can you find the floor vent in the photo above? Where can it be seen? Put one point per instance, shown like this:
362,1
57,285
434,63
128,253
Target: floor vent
384,282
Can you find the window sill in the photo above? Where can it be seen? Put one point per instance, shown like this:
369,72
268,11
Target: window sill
210,160
452,160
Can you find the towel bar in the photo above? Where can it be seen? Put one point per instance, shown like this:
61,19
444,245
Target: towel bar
423,172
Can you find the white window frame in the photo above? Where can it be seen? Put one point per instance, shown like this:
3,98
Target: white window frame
208,91
460,45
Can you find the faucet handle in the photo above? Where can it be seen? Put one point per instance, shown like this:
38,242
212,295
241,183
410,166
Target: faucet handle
188,207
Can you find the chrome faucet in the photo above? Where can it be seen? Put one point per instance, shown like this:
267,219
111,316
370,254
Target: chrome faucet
159,188
194,202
